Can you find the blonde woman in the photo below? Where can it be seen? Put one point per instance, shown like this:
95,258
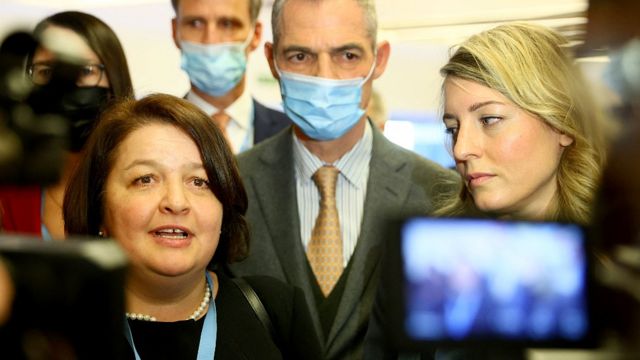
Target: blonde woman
527,137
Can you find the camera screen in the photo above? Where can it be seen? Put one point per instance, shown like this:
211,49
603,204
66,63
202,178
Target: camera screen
479,279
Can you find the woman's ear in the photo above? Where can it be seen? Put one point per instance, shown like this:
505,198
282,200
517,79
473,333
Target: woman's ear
565,140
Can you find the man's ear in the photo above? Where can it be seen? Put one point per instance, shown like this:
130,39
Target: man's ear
382,57
257,37
174,32
269,53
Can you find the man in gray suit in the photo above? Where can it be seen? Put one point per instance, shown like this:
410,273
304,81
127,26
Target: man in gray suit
325,57
215,38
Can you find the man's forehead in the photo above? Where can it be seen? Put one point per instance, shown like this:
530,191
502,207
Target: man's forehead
204,8
323,26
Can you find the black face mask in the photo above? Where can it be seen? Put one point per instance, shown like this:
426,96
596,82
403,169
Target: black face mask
81,106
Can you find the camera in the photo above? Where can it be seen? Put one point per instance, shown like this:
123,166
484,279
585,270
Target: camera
69,299
34,132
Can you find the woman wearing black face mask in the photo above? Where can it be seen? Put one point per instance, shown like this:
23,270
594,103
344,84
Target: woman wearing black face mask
102,75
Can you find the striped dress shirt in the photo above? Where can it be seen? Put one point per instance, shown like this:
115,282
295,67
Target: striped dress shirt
351,189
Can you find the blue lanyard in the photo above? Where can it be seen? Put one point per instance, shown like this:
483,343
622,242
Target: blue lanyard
208,336
46,236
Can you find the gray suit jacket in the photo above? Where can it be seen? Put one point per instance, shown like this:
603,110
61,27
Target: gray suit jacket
400,182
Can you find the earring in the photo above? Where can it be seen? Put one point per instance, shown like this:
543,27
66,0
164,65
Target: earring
100,234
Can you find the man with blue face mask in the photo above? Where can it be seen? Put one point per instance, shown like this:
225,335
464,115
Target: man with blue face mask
319,194
215,38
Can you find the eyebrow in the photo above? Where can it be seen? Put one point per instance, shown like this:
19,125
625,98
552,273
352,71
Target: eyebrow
339,49
188,18
155,164
477,106
296,49
447,116
45,62
472,108
345,47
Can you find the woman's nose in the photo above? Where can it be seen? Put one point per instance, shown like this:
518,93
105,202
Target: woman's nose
175,200
467,144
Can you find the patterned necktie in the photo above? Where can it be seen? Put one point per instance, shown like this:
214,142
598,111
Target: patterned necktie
325,248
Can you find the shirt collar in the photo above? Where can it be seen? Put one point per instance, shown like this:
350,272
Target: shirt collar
240,111
350,164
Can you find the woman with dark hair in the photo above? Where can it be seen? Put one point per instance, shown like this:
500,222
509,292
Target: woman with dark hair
102,76
158,177
101,40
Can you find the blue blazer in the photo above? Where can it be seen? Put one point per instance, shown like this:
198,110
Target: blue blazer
267,122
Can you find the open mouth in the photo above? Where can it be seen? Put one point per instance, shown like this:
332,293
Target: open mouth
173,234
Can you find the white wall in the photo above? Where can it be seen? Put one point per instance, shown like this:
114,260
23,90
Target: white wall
143,29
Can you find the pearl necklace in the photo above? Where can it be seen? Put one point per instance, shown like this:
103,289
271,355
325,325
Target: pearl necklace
196,314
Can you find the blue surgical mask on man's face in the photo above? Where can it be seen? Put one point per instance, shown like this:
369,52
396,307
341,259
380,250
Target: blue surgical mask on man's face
215,68
324,109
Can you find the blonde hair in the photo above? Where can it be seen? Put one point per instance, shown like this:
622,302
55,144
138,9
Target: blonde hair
531,65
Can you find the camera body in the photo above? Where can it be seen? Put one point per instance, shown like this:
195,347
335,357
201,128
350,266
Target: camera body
34,136
69,299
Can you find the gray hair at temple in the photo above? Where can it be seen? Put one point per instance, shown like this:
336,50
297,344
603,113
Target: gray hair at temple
368,7
254,8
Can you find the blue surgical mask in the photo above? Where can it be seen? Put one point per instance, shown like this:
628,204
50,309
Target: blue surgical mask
215,68
324,109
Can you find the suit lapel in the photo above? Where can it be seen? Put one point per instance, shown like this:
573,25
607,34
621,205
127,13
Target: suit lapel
387,188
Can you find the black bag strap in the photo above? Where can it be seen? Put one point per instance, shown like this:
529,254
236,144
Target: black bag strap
256,305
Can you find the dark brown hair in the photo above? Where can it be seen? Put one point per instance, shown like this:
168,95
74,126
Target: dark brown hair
84,199
102,40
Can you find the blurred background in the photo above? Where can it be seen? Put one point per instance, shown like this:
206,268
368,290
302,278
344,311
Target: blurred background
421,34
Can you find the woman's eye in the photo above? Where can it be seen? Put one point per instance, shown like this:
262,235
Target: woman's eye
450,125
144,180
490,120
45,72
451,130
200,182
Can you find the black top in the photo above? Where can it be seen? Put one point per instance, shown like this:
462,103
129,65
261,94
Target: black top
240,334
